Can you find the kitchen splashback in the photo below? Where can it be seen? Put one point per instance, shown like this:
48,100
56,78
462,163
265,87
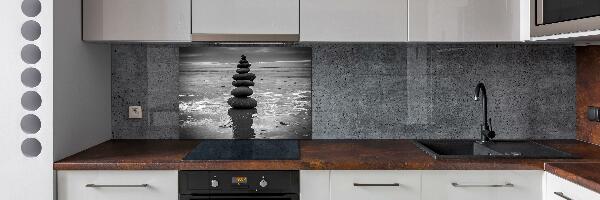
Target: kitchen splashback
373,91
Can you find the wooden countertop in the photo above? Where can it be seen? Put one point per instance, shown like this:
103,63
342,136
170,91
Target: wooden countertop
584,174
314,155
331,155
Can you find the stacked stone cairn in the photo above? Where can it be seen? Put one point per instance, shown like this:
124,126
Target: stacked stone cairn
242,81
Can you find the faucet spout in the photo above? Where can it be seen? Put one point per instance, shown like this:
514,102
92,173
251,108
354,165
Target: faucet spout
480,94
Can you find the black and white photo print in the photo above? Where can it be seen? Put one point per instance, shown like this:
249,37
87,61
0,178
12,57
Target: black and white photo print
245,92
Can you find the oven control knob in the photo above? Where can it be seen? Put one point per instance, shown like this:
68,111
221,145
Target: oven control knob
214,183
263,183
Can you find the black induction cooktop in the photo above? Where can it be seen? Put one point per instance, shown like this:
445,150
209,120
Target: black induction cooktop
245,150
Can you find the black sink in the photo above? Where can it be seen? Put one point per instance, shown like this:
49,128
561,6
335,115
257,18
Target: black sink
470,149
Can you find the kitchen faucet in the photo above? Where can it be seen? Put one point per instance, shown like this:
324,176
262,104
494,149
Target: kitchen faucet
487,134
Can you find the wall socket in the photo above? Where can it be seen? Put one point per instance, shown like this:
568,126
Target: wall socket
135,112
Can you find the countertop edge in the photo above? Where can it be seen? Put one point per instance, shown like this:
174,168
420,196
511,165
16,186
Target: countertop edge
576,178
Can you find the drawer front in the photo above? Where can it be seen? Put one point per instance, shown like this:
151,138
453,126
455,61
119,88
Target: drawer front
117,185
375,185
477,185
560,189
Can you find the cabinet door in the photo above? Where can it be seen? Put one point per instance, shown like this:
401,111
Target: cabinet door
245,17
354,20
560,189
468,20
375,185
117,185
136,20
478,185
314,185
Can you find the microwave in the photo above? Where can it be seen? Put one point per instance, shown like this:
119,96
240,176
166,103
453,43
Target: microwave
553,17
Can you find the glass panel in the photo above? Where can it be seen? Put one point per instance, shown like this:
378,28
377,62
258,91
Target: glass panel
564,10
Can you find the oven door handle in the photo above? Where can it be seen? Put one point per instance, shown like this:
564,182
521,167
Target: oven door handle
241,196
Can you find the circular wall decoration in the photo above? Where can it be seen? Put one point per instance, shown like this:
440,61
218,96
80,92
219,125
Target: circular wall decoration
31,100
31,8
31,147
31,54
30,124
31,77
31,30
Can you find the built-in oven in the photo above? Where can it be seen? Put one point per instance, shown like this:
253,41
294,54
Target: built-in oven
552,17
238,185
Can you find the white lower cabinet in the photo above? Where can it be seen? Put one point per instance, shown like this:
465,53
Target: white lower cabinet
375,185
314,184
421,185
482,185
341,185
560,189
117,185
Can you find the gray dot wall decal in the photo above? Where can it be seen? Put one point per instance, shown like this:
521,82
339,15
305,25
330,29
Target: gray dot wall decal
31,147
31,100
31,30
31,124
31,8
31,77
31,54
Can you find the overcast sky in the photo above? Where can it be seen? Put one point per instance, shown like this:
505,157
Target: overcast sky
232,54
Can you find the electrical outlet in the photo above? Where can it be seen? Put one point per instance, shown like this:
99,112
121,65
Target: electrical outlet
135,112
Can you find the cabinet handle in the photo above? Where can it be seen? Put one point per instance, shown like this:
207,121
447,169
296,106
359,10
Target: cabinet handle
498,185
115,186
376,184
562,195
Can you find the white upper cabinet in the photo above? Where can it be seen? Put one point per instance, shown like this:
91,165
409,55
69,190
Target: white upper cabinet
136,20
245,20
469,20
354,20
307,20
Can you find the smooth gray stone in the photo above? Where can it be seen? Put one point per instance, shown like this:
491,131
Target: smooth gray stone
242,83
242,70
247,76
242,92
244,65
242,102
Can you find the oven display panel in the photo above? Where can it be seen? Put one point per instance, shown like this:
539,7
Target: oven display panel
239,180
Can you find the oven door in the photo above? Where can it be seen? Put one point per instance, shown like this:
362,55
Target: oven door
240,197
551,17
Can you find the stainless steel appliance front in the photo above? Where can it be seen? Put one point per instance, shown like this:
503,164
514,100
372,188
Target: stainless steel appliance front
552,17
